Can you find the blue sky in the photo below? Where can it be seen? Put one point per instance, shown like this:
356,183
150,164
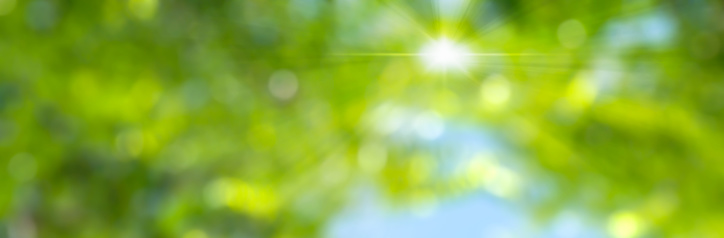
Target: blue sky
476,213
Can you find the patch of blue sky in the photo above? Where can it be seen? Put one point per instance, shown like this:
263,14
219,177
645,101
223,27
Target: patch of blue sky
476,213
654,29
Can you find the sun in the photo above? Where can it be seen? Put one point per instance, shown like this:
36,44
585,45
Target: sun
443,54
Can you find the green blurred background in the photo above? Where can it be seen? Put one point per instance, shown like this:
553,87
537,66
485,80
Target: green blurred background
252,118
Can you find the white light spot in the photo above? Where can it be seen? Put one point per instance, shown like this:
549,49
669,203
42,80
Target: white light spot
429,126
443,54
387,119
283,84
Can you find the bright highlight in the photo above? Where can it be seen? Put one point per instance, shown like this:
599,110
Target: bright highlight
443,54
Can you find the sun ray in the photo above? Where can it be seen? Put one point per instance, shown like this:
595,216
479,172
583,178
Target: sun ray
401,12
468,74
464,54
379,54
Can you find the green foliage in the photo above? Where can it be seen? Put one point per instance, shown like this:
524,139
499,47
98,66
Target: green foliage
182,118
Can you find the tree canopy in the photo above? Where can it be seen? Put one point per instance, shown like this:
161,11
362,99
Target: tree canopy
251,118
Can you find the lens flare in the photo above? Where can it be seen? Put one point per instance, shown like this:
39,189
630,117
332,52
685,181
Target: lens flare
443,54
